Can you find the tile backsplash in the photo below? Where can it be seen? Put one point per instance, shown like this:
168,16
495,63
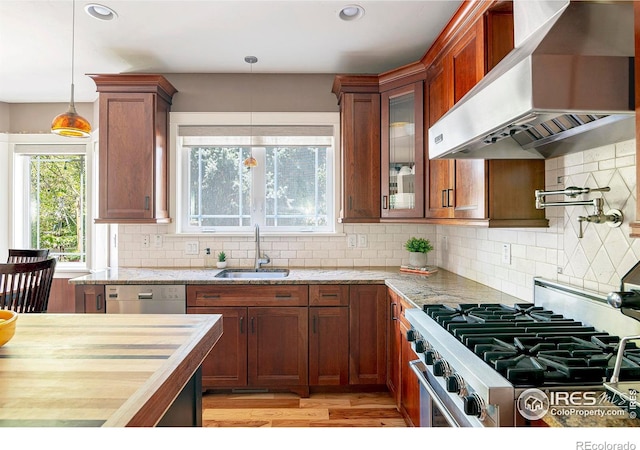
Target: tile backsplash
597,261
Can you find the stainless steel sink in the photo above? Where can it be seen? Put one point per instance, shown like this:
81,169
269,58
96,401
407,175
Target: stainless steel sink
253,273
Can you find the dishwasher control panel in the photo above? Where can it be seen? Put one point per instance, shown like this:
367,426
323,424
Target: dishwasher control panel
146,299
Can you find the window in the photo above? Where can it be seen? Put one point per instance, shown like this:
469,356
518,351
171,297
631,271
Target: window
290,190
57,205
51,198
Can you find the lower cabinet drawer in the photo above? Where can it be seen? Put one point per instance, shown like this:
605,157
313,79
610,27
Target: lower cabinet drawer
247,295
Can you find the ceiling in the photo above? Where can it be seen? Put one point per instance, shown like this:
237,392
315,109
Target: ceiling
204,36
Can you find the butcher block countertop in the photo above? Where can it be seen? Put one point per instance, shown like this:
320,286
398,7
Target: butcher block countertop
100,370
440,287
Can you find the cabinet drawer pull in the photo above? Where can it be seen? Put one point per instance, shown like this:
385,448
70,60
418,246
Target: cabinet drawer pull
384,202
283,295
329,295
211,296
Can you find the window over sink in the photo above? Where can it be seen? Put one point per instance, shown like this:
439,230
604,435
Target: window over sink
289,190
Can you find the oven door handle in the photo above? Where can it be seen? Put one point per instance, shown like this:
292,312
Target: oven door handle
417,367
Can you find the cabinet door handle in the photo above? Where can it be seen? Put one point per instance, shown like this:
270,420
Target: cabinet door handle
350,202
393,311
253,329
146,202
314,325
241,324
449,204
99,302
384,202
442,198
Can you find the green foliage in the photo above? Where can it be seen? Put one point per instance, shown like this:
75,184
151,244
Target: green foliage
222,257
418,245
58,211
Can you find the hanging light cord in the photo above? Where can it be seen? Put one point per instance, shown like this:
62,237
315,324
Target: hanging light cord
73,44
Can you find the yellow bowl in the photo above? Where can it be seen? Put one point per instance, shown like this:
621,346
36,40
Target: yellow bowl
8,320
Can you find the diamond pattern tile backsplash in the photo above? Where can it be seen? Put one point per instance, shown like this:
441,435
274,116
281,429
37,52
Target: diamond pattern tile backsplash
597,261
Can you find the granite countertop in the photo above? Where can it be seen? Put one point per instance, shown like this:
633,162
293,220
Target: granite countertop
441,287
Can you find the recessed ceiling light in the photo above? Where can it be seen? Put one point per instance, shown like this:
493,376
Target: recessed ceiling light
100,12
351,12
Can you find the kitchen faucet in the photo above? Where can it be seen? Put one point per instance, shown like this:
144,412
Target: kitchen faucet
260,259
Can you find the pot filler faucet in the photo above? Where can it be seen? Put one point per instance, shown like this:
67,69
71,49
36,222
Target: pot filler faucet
613,217
260,259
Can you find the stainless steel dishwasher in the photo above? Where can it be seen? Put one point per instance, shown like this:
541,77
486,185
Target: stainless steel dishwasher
146,299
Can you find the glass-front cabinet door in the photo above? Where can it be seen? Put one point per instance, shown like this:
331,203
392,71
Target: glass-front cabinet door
402,167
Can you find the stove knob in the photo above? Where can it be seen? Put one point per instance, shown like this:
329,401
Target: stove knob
411,335
438,368
420,346
429,357
472,406
453,385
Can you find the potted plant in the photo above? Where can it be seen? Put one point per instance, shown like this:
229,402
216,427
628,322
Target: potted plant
222,260
418,249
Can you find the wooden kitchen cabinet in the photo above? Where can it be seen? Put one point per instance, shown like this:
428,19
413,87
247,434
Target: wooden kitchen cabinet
133,148
329,335
402,152
394,367
265,337
90,298
493,193
409,383
359,102
367,334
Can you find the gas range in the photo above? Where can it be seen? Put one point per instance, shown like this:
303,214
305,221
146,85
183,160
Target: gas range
477,359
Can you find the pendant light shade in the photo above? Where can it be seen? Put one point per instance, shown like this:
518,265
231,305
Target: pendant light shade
71,123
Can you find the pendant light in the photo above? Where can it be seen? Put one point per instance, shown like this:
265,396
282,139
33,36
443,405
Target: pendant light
251,161
71,123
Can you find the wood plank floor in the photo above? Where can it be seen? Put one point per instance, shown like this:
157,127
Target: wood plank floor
289,410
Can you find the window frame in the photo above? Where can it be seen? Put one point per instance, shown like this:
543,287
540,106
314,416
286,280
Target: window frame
22,145
178,187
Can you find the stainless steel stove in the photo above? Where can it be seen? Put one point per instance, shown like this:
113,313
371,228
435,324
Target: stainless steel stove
476,360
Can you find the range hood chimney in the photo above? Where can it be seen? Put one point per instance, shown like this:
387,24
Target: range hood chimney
567,86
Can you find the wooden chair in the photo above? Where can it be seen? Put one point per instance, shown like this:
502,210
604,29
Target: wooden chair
27,255
25,287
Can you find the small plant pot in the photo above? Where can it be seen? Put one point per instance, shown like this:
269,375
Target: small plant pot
417,259
221,264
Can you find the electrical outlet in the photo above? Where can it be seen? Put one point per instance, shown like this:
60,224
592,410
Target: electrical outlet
157,240
145,241
191,248
352,241
362,240
506,253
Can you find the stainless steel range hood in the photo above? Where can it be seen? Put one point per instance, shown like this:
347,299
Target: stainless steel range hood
567,86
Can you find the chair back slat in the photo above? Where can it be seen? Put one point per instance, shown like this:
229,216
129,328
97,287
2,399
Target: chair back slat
20,255
25,287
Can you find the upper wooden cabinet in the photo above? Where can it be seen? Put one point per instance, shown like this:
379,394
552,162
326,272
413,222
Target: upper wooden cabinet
402,153
359,102
133,146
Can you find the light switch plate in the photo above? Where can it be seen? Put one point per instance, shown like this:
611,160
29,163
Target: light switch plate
506,253
362,240
191,248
